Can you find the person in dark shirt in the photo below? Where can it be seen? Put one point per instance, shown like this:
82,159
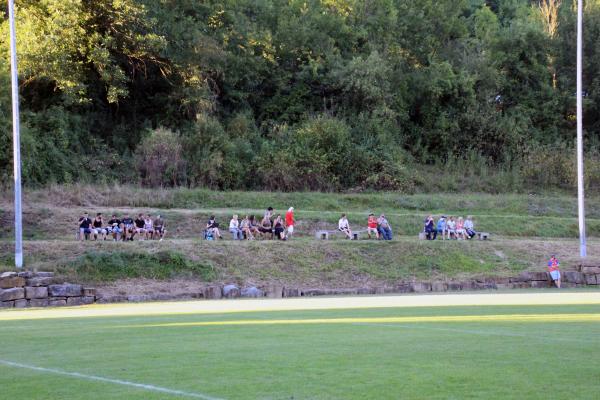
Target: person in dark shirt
139,226
114,227
159,227
84,226
97,228
128,226
212,226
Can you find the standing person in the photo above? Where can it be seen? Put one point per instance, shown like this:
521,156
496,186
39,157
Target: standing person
385,228
97,227
469,227
279,228
553,267
114,227
212,226
84,226
269,214
441,226
430,228
127,227
344,226
149,227
139,226
372,226
234,228
160,227
289,222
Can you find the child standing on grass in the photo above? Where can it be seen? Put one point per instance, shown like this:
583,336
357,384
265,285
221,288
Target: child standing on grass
289,222
554,270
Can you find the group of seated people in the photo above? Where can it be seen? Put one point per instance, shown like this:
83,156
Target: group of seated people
380,227
121,229
449,228
249,228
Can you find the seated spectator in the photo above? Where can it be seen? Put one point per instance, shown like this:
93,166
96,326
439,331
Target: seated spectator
149,227
451,227
139,227
253,225
441,226
159,228
85,224
114,227
266,226
372,226
460,229
279,228
212,227
128,227
245,228
344,226
97,228
234,228
430,228
470,227
385,229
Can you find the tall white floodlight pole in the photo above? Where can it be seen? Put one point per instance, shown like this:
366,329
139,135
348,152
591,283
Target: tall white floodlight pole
580,203
16,137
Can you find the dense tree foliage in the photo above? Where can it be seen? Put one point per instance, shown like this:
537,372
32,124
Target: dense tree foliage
297,94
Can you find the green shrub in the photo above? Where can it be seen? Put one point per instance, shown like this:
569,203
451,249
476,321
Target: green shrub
159,159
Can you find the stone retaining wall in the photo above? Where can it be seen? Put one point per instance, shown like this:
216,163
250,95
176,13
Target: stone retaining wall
28,289
38,289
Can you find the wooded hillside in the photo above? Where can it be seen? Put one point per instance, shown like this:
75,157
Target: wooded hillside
302,95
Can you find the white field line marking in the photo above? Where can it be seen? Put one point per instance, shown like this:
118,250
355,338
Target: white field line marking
143,386
474,332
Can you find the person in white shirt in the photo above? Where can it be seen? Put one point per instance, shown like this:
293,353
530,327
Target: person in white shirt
451,227
234,228
469,227
344,226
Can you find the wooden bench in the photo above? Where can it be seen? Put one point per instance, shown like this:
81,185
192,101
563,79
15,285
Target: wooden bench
324,234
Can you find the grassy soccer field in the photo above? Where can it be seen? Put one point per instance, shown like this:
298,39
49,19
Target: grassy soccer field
521,345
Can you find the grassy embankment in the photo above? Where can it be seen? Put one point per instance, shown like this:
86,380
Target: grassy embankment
526,229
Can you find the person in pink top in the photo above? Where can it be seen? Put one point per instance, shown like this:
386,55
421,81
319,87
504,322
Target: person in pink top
553,267
460,229
289,221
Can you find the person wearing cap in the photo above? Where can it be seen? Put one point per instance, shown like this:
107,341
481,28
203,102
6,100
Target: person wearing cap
289,221
372,226
441,226
553,267
385,229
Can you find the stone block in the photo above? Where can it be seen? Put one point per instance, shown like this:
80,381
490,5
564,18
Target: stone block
36,292
467,285
38,302
379,290
252,292
21,303
439,287
43,274
419,287
12,294
291,292
57,303
7,304
403,287
88,299
231,291
535,276
364,291
502,286
8,274
212,292
540,284
139,298
12,282
274,291
590,279
112,299
573,276
590,270
313,292
454,286
25,274
39,281
74,301
66,290
89,292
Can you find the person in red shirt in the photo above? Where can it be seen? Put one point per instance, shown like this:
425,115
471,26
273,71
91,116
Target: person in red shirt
289,221
554,270
372,226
